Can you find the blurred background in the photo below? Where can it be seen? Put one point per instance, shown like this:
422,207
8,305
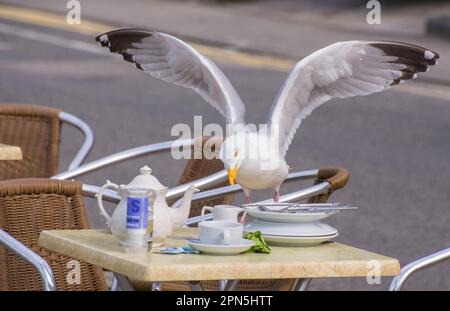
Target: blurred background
396,144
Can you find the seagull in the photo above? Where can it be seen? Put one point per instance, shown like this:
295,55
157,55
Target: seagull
256,159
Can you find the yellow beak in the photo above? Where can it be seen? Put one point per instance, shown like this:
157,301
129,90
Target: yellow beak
232,175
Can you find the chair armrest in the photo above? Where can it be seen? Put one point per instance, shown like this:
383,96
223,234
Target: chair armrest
200,183
88,138
296,196
336,176
237,188
122,156
91,191
30,257
417,265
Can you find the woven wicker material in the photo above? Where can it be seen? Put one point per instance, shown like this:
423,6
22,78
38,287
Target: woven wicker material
243,285
28,206
37,130
202,165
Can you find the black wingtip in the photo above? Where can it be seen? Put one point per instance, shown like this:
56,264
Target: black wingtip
128,57
415,58
405,50
103,39
121,39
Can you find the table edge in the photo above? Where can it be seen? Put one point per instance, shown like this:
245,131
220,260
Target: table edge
390,267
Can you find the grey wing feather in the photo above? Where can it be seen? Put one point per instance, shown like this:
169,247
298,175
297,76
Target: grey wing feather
342,70
172,60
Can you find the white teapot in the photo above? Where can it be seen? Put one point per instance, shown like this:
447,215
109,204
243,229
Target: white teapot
165,217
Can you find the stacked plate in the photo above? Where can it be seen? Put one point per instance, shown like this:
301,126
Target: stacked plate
293,225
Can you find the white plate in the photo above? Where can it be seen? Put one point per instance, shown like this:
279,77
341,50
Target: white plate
297,241
298,216
313,229
221,249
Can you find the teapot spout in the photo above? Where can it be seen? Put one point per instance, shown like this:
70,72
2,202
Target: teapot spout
181,208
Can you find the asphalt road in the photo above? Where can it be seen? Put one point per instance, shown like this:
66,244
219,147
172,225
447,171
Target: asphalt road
396,145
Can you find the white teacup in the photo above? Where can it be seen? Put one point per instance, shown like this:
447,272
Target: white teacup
219,232
223,212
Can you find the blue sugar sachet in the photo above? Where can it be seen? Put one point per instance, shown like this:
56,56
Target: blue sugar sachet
177,250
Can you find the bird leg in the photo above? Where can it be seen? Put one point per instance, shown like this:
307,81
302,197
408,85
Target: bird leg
249,199
276,197
244,216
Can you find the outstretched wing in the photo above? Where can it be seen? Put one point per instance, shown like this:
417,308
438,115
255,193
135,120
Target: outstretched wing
342,70
172,60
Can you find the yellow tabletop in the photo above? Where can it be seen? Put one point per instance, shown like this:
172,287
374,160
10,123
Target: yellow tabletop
326,260
8,152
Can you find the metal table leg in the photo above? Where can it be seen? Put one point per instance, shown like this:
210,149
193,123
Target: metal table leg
227,285
123,282
301,285
196,286
156,287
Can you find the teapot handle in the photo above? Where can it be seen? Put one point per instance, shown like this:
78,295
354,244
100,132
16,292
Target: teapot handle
204,209
108,185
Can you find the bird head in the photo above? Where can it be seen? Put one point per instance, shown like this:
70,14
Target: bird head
232,153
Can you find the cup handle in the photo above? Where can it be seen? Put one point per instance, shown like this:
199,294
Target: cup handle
100,199
227,237
204,209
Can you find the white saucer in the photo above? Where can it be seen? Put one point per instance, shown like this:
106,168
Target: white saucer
297,241
213,249
299,216
314,229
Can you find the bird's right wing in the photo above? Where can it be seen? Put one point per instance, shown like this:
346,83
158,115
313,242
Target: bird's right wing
342,70
172,60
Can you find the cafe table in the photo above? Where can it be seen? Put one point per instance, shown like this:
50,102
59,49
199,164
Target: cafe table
328,260
8,152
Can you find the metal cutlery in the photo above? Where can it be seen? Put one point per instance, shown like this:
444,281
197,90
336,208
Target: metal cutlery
294,207
310,209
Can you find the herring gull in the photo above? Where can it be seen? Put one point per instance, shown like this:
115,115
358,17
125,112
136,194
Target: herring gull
256,159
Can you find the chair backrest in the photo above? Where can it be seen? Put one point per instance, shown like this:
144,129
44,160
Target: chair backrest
37,130
198,168
28,206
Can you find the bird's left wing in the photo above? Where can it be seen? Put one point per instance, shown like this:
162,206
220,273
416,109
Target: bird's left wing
342,70
172,60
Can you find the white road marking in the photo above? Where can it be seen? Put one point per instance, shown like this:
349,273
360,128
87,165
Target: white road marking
52,39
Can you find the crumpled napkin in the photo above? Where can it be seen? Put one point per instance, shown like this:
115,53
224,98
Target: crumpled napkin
260,244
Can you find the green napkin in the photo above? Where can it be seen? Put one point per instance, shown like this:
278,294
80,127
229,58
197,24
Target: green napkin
260,244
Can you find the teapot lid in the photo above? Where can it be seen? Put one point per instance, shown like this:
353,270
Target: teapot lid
146,180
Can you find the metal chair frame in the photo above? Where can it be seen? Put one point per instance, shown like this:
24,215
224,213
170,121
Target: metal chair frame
419,264
214,179
87,132
88,142
31,258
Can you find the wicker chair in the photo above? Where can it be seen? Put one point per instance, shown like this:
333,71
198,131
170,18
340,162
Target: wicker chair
37,130
28,206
